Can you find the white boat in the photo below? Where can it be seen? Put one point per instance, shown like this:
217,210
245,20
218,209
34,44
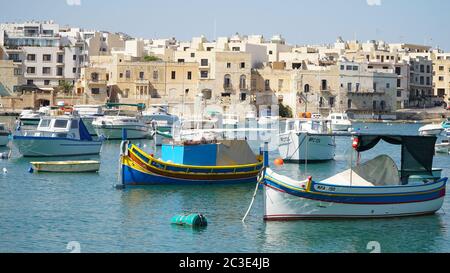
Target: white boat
307,140
340,122
30,117
443,147
198,129
88,114
57,136
431,130
4,135
111,127
160,121
66,166
374,189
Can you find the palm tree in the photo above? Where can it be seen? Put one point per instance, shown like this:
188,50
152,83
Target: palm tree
66,86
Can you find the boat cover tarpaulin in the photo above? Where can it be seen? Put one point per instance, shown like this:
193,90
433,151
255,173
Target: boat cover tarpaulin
417,152
84,133
380,171
234,152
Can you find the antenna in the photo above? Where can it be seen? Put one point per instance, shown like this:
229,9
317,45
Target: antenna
215,29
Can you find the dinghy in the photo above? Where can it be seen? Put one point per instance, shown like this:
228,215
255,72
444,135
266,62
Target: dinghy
374,189
66,166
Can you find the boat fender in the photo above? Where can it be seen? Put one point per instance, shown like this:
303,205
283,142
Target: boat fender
5,171
124,148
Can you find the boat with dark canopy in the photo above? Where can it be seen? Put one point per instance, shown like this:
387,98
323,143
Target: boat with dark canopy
375,188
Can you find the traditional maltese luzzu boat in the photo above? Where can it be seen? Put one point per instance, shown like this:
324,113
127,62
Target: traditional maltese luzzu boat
224,162
374,189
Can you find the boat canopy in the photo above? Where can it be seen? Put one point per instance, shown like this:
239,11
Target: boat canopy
84,133
140,106
416,155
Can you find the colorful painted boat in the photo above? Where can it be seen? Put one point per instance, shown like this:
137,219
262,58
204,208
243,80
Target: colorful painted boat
374,189
213,163
66,166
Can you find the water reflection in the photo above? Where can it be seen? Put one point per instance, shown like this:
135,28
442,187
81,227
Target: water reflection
415,234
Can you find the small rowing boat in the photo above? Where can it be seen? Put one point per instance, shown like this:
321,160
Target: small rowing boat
66,166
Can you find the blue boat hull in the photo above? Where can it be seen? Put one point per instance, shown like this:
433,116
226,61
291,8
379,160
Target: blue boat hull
132,176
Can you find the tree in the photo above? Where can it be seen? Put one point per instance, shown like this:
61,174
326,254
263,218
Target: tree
149,58
66,86
285,111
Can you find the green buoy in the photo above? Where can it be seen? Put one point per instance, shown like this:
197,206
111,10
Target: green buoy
194,220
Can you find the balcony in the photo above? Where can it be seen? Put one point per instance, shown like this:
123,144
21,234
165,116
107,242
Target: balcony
227,87
142,82
97,82
325,89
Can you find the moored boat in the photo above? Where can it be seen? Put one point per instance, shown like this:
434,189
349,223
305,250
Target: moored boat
307,140
431,130
57,136
66,166
374,189
4,135
188,163
340,122
30,117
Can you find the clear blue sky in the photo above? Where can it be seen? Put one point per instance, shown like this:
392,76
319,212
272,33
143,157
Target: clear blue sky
299,21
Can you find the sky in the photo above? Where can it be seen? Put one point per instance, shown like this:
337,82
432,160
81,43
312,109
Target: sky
299,21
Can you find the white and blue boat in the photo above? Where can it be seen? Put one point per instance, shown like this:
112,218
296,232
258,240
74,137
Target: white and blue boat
57,136
374,189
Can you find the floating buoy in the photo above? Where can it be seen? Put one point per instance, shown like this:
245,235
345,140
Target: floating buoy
194,220
278,162
5,170
30,170
119,186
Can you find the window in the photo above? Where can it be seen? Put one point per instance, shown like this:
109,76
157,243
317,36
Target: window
342,67
398,70
422,68
17,71
94,77
192,55
355,68
74,124
155,74
31,70
227,81
46,82
399,94
209,48
349,67
203,74
375,86
74,57
349,87
30,82
181,60
441,79
44,123
189,75
236,48
441,68
270,52
422,80
204,62
95,91
47,58
46,70
173,75
60,123
428,69
388,85
127,74
31,57
243,65
59,71
399,83
228,65
141,75
121,75
267,85
74,70
60,58
357,87
428,81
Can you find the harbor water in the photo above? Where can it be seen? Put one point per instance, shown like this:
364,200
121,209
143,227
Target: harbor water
44,212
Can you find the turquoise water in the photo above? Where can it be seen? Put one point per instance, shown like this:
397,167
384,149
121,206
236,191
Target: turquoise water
43,212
